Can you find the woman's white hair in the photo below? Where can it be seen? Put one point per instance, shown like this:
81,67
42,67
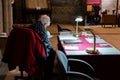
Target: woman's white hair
45,19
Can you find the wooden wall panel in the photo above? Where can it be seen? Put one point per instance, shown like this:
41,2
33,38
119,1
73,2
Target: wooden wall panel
65,11
62,11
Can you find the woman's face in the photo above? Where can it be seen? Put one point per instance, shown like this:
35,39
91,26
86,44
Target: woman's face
47,23
45,20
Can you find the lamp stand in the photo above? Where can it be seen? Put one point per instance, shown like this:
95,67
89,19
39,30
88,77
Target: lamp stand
92,50
77,33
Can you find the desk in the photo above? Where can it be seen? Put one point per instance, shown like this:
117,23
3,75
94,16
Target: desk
106,64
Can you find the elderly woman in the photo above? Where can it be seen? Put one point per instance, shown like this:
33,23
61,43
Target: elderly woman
40,27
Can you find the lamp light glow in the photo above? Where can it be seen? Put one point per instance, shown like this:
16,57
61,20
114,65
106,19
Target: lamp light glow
79,19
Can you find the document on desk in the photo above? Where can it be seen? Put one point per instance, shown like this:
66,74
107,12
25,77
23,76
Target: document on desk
67,36
76,53
109,51
98,40
71,47
66,33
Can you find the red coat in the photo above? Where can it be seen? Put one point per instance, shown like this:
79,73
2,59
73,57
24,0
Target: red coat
24,47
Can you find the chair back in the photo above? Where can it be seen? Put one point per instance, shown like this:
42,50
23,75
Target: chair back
62,29
63,59
59,28
65,73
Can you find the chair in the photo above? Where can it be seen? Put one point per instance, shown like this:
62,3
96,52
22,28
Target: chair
24,48
109,20
64,68
62,29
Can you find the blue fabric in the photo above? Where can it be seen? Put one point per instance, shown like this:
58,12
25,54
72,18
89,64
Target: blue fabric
40,28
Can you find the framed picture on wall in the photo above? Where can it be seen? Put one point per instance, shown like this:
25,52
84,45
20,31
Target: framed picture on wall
92,2
36,4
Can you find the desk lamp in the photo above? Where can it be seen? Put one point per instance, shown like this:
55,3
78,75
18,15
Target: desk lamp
92,51
78,19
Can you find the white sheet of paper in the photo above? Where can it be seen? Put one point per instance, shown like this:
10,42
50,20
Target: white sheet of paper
98,40
65,33
103,51
104,44
76,53
109,51
71,47
67,36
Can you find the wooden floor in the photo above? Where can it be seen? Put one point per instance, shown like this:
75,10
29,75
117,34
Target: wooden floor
111,35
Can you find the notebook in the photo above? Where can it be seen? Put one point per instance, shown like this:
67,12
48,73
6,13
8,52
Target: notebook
72,41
